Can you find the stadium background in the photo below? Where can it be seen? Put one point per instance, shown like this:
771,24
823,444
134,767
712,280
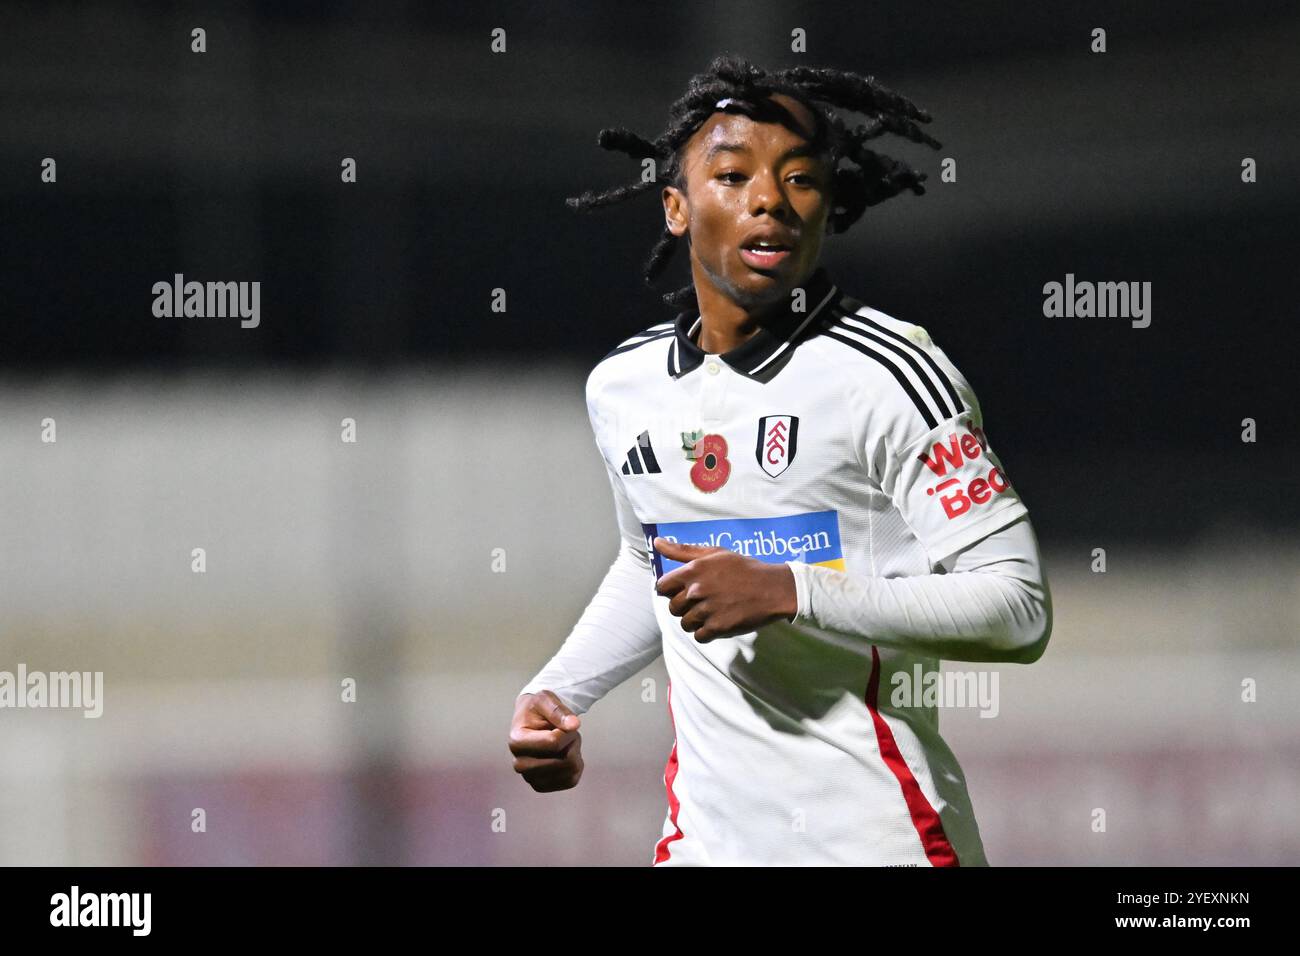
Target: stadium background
373,560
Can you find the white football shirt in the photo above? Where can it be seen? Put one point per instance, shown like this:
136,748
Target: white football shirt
843,442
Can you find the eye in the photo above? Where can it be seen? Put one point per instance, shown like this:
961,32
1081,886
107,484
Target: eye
804,179
726,177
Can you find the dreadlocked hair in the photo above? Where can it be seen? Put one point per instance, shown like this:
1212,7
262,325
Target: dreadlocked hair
868,179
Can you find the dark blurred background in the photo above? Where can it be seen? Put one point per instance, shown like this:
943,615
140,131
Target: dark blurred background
375,304
1116,166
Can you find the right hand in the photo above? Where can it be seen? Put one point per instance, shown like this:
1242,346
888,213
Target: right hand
545,741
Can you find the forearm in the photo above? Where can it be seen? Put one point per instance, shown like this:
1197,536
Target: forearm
615,637
993,605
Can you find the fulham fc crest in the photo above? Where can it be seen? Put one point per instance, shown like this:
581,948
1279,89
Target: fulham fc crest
776,442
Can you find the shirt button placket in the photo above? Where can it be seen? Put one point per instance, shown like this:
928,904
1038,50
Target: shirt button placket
712,391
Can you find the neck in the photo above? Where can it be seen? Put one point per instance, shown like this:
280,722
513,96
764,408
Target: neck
725,323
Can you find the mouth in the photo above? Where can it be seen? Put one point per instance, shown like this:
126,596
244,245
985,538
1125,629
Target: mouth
764,253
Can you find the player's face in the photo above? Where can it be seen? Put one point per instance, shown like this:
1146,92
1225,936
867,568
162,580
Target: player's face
756,203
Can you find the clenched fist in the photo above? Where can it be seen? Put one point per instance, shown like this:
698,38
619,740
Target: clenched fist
545,741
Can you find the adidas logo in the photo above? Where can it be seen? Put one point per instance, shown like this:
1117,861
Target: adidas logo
641,458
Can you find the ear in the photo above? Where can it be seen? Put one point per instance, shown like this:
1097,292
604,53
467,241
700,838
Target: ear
676,211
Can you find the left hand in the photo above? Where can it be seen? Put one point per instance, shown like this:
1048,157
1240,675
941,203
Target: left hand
718,593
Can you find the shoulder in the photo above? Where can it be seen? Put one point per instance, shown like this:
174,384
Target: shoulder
854,324
634,358
895,364
653,333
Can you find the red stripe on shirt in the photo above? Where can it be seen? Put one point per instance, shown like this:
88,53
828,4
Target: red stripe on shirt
928,825
670,774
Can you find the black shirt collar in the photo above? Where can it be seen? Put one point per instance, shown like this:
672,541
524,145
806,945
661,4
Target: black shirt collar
767,350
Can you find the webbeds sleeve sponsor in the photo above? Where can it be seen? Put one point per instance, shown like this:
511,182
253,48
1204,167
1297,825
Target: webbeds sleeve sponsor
950,486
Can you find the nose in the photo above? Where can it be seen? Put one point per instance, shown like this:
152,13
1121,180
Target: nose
767,196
